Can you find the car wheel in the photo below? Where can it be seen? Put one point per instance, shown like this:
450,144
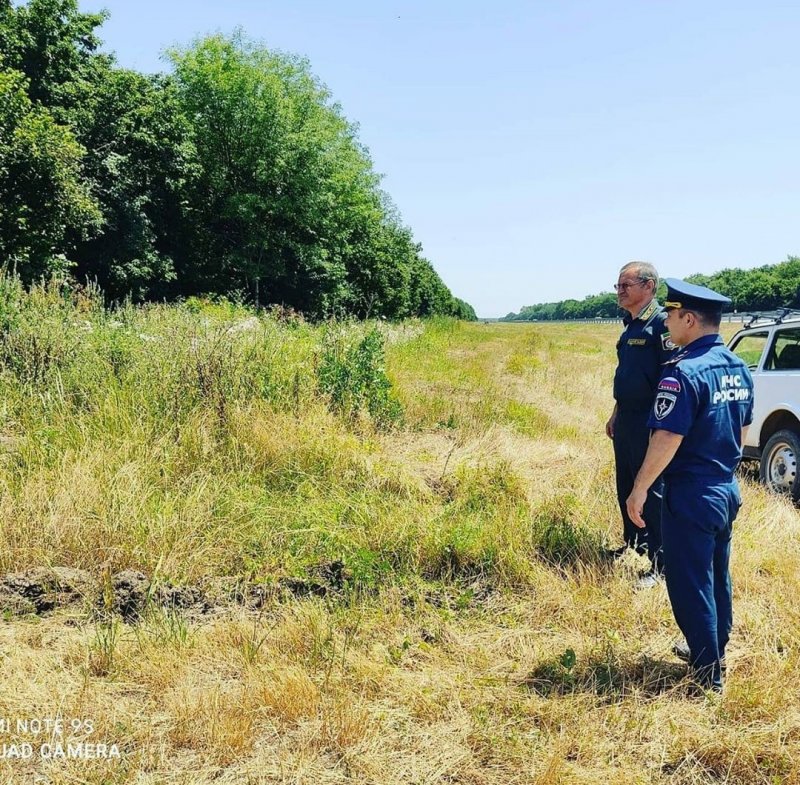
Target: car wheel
779,470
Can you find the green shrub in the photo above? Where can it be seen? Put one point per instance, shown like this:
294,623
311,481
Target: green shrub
351,372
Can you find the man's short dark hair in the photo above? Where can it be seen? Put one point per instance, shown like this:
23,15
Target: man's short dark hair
708,318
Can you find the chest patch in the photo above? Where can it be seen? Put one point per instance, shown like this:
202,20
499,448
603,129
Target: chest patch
670,384
665,403
637,341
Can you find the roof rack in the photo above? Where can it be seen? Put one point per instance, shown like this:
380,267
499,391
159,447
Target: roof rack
784,312
776,317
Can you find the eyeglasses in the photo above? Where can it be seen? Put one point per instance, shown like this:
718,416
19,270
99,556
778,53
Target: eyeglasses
623,287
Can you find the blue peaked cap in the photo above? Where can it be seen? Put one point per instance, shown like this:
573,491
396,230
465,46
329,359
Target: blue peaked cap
693,297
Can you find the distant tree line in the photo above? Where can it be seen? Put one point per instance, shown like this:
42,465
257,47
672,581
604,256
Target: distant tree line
234,174
761,289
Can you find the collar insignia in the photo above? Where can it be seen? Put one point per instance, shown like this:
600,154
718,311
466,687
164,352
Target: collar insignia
648,310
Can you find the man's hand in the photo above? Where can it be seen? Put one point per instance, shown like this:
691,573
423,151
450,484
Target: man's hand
611,423
635,505
661,450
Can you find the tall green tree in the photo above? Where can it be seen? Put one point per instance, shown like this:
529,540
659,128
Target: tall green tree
286,202
42,196
56,47
270,150
132,160
140,164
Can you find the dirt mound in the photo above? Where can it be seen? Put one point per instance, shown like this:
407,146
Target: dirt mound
130,593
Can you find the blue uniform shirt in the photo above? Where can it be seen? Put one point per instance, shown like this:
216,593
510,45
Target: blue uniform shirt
705,394
642,349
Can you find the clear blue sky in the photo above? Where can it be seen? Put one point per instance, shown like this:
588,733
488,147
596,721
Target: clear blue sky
534,147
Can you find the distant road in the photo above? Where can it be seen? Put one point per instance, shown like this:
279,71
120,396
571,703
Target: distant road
726,317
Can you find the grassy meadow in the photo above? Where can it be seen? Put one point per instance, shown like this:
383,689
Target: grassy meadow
457,477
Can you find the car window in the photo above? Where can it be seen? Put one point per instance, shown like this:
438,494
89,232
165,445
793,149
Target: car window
750,348
785,352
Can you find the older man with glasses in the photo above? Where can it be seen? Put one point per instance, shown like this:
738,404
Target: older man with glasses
642,349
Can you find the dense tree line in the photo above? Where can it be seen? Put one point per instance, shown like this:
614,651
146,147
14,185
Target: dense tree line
764,288
236,173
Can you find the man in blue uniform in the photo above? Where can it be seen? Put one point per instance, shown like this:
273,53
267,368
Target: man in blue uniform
641,351
702,408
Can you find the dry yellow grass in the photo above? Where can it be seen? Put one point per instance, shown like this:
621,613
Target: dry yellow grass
526,670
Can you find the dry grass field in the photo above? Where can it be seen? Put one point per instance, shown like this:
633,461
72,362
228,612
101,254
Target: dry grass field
473,633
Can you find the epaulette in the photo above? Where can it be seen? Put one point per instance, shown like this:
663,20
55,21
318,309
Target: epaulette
676,358
649,310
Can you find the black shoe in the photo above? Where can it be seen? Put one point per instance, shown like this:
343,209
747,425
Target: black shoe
616,553
649,580
681,650
702,690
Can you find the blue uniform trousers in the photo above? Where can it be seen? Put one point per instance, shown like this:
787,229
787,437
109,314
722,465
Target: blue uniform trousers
697,523
631,437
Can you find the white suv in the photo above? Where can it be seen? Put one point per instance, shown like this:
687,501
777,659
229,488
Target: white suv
771,349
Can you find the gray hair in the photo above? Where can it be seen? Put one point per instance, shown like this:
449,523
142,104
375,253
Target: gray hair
642,270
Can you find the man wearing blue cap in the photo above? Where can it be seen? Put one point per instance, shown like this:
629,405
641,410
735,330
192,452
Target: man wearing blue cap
703,405
642,350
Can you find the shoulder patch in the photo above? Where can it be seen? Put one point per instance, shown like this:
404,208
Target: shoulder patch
664,404
670,384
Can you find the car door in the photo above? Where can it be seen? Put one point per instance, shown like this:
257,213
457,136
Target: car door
752,347
780,382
